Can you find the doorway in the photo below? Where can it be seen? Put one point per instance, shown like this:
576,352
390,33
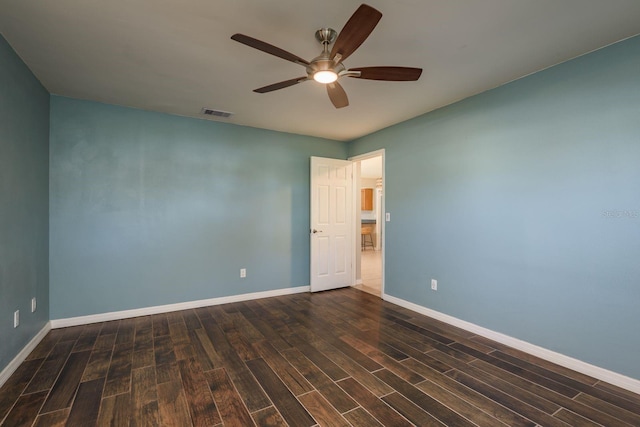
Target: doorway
370,214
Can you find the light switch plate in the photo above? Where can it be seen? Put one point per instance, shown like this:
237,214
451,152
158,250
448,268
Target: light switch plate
387,217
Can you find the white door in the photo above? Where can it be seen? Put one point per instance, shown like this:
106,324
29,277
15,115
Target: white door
331,223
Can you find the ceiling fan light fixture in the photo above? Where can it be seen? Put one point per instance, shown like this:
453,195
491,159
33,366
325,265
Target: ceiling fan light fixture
325,76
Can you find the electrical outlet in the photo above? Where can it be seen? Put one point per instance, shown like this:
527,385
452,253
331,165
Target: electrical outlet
243,273
434,284
33,305
16,318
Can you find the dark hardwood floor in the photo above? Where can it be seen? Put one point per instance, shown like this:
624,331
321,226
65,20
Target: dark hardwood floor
336,358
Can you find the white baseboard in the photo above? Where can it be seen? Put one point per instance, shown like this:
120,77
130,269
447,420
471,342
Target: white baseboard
602,374
20,357
125,314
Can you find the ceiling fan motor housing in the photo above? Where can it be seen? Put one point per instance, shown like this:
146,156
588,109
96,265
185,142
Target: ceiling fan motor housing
326,36
323,62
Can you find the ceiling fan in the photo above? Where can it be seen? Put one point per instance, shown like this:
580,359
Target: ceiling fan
327,68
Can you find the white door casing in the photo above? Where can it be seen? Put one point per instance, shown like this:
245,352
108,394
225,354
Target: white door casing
331,223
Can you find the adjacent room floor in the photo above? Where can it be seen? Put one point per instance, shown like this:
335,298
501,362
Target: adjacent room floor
335,358
371,272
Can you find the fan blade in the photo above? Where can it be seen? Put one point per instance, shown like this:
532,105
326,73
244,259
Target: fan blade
270,49
337,95
281,85
394,74
355,31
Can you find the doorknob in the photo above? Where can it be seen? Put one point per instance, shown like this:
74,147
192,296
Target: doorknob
314,231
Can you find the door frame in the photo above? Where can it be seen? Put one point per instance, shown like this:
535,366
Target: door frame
356,217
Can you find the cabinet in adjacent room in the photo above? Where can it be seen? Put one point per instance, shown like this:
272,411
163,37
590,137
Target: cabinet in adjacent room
366,199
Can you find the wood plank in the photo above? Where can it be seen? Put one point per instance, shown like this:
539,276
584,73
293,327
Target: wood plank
252,394
355,370
199,351
143,323
207,346
172,405
53,419
45,345
504,399
144,398
334,394
50,368
411,349
285,371
504,350
200,401
174,317
459,405
427,333
561,400
163,350
179,333
245,327
105,342
361,418
115,410
615,411
67,383
574,419
126,332
216,336
432,406
109,328
537,378
475,398
86,405
330,368
232,410
376,407
16,383
512,388
269,417
388,362
264,327
26,409
143,339
119,375
322,411
142,358
88,337
191,319
241,345
618,391
72,333
167,372
288,406
410,411
160,325
184,352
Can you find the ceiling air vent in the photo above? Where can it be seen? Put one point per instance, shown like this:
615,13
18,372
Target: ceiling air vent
216,113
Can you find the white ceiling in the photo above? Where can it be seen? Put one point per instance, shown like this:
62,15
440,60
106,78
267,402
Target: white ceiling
371,168
176,56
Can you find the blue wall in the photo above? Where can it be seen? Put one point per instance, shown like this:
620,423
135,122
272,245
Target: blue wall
150,209
524,203
24,203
